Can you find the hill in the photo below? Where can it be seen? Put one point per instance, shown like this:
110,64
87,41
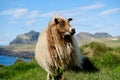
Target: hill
26,38
86,35
32,36
102,35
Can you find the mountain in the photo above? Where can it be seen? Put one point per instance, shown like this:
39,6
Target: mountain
86,35
26,38
32,36
102,35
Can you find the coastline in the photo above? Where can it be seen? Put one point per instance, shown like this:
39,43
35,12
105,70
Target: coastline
19,54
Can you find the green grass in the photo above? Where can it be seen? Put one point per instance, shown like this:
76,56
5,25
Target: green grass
20,47
109,42
106,59
22,71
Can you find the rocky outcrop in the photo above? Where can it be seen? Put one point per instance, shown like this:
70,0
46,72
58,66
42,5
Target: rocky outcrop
26,38
86,35
102,35
32,37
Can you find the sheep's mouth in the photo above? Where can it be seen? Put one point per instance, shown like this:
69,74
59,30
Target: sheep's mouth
68,34
72,32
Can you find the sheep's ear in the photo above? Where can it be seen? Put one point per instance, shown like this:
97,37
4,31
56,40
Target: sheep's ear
56,20
70,19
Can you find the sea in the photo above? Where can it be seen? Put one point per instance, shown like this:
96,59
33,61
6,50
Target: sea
8,60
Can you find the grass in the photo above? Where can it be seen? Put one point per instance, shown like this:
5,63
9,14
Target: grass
109,42
105,58
21,47
22,70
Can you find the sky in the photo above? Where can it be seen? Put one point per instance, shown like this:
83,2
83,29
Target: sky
22,16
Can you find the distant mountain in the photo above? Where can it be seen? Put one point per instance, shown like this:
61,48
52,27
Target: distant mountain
102,35
26,38
32,36
86,35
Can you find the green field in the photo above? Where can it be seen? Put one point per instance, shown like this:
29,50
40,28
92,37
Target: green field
104,57
20,47
108,42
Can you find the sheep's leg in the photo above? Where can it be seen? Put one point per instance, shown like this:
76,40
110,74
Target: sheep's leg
58,76
49,77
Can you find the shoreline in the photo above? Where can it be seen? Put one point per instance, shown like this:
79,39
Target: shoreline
19,54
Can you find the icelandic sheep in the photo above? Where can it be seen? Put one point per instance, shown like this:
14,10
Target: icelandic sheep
57,49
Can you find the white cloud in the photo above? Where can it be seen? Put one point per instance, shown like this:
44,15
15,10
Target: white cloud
66,13
27,17
110,11
93,6
34,13
48,14
24,12
5,38
29,22
21,12
74,11
15,13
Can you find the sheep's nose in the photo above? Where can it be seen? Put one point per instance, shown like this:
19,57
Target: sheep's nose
72,31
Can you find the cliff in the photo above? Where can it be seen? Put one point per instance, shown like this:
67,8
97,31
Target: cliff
26,38
98,35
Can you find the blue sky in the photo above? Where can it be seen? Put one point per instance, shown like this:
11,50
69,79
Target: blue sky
21,16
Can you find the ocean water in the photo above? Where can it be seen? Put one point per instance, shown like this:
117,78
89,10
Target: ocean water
8,60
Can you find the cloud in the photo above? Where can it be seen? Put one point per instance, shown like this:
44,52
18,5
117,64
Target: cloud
5,38
48,14
92,6
25,12
15,13
110,11
67,13
34,14
74,11
20,13
29,22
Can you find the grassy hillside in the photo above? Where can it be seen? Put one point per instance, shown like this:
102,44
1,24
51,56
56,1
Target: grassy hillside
106,59
31,47
108,42
21,47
